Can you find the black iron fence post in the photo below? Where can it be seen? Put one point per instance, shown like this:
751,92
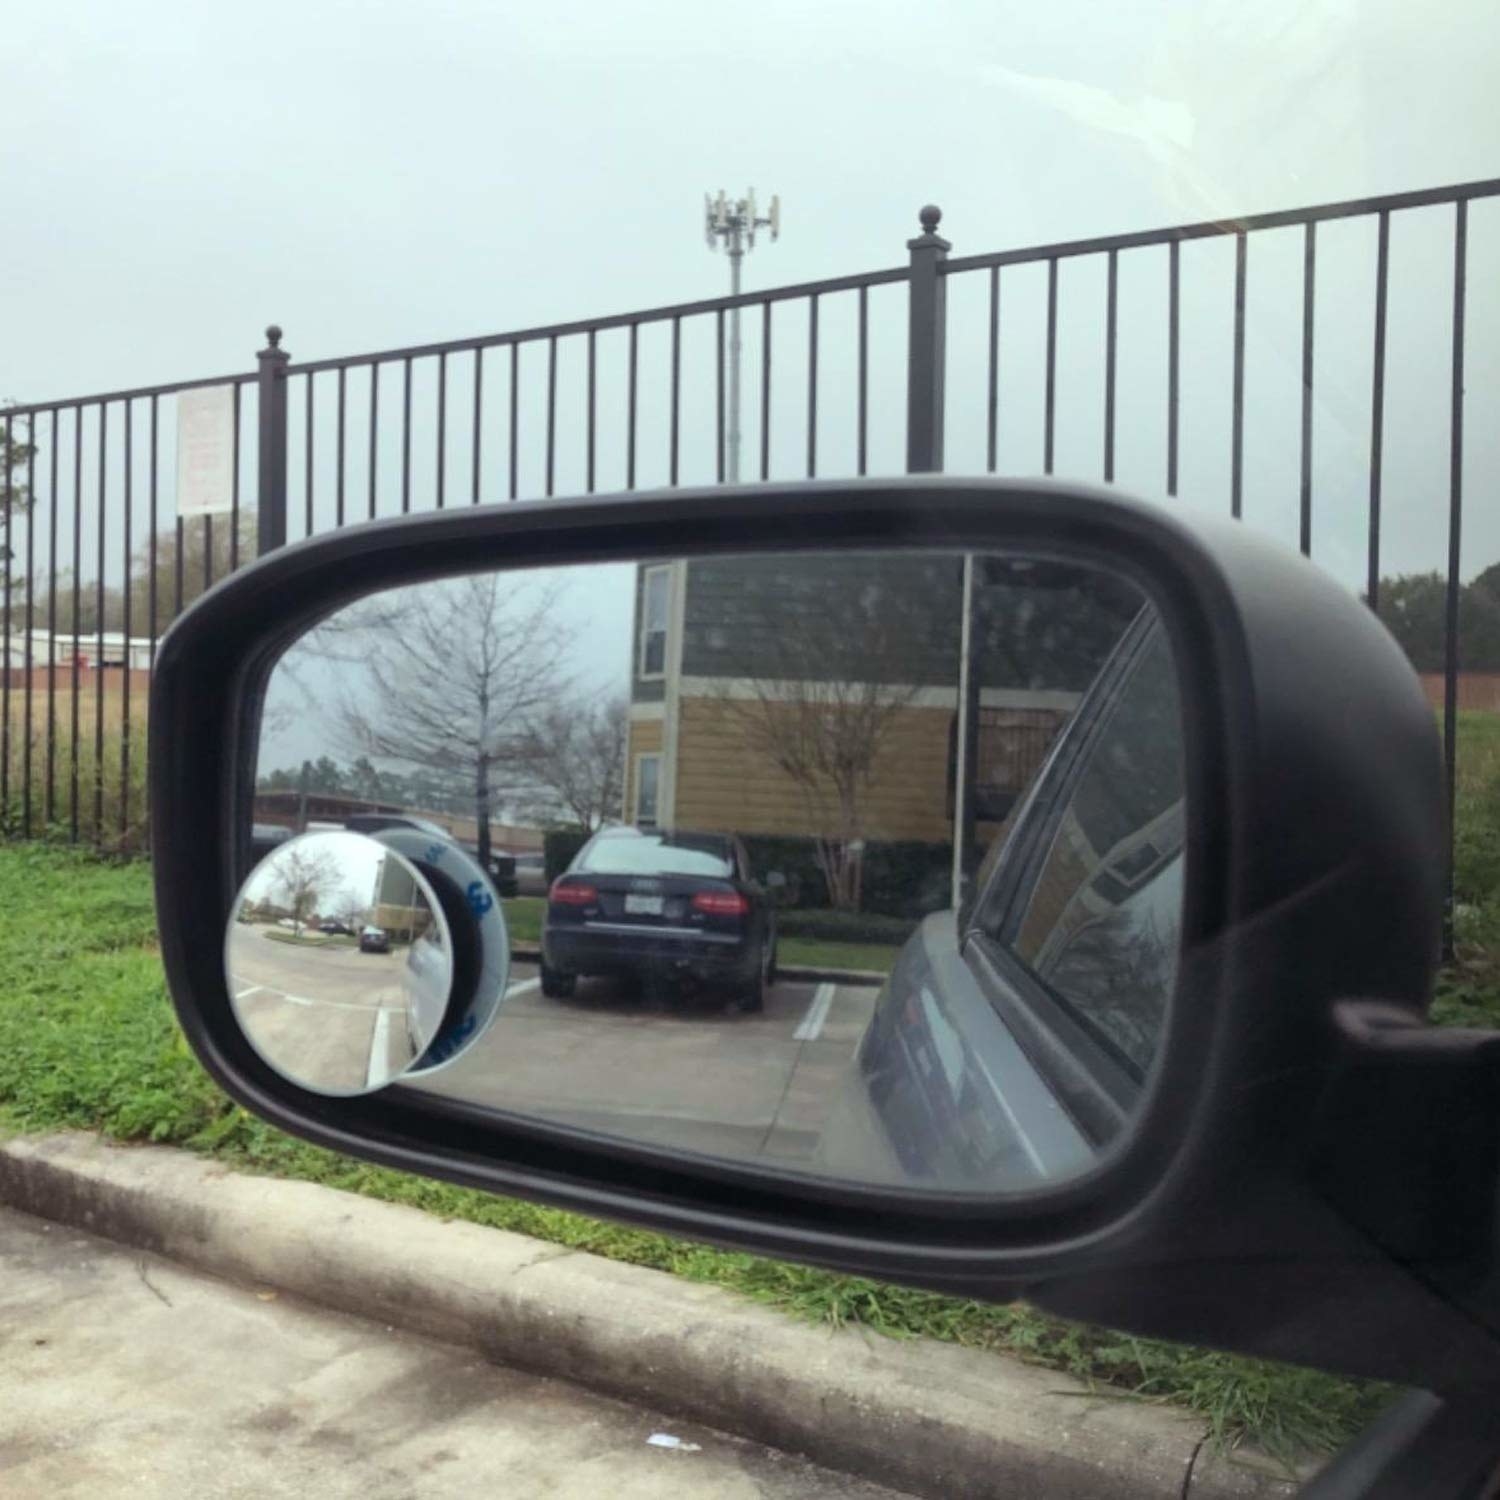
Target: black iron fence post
926,355
271,453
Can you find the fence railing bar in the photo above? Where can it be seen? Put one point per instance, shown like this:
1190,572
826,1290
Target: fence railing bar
662,314
339,438
1309,281
476,436
863,416
442,425
151,584
1237,399
515,418
1174,358
26,749
630,394
1049,417
406,437
374,430
1377,408
765,392
5,563
125,622
718,394
134,393
73,818
307,483
812,386
992,387
1455,552
99,633
676,400
592,418
234,485
49,800
1215,228
208,552
1111,351
551,413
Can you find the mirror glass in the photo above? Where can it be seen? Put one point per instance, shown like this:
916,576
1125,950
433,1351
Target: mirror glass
863,865
339,962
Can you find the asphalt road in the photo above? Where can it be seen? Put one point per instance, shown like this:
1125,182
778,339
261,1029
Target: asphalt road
333,1018
126,1375
684,1072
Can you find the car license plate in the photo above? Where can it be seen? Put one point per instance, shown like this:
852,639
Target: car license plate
643,906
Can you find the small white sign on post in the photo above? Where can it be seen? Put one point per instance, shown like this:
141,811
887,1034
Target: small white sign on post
205,450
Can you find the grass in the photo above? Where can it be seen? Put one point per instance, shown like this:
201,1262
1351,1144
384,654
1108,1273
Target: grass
815,953
88,1041
307,939
523,916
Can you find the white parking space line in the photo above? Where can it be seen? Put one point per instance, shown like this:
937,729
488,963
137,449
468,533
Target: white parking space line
525,987
254,989
378,1066
817,1014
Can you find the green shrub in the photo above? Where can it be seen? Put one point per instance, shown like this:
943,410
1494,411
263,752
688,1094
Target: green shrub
901,878
559,845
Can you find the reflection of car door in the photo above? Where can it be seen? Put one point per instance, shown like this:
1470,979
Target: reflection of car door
1074,938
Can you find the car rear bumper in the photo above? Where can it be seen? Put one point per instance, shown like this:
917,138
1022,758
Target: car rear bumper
623,948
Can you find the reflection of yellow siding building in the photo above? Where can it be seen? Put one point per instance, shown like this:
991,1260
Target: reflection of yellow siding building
723,782
397,904
719,640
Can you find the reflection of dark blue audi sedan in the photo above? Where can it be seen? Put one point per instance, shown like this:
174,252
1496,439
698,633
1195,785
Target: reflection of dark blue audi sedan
643,902
1014,1037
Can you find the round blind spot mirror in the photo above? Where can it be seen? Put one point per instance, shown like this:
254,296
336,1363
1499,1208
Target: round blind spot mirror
339,962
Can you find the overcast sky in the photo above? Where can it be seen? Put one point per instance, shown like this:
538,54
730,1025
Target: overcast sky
373,174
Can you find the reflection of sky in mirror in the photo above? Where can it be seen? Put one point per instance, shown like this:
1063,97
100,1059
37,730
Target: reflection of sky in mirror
359,859
594,606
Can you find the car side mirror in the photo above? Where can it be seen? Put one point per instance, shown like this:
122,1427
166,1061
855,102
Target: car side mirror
1148,1078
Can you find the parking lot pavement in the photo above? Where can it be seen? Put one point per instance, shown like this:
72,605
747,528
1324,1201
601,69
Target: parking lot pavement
127,1375
677,1071
330,1014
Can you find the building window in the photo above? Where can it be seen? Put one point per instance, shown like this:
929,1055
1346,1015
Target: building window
655,593
647,785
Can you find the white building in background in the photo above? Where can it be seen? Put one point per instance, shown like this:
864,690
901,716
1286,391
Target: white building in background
111,649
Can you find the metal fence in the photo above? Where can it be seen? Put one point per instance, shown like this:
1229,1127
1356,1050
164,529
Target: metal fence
1124,358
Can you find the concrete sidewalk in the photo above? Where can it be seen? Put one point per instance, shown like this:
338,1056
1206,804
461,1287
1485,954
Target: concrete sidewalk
124,1374
933,1419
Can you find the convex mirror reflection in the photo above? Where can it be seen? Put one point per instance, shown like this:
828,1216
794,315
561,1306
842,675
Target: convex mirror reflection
867,865
339,962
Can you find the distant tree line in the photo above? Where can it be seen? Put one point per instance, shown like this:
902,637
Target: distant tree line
1414,608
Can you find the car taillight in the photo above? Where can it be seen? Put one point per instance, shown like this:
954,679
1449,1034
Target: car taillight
721,903
566,893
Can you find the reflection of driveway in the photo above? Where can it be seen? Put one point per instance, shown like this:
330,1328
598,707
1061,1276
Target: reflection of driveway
688,1077
332,1018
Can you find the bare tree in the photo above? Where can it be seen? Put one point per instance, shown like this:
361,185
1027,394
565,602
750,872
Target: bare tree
447,677
574,755
301,873
824,670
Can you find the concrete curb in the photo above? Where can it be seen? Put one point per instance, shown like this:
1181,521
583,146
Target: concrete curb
529,953
934,1419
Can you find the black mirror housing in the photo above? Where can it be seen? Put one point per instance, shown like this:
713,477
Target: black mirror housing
1238,1210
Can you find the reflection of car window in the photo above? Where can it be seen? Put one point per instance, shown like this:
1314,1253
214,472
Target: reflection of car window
1102,920
651,856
